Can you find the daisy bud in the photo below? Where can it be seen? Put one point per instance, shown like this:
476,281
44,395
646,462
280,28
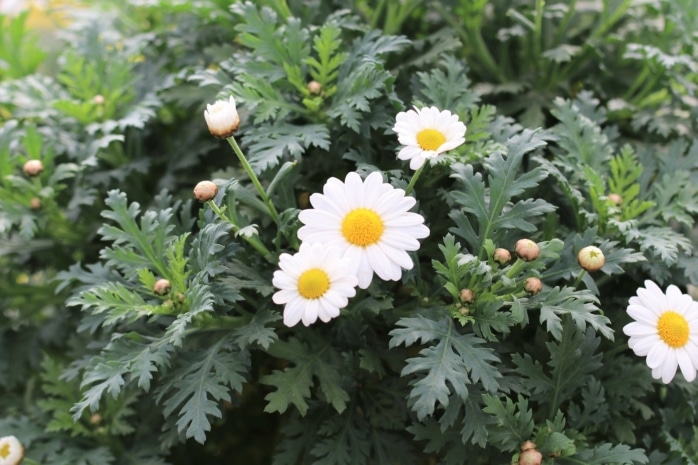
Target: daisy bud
591,258
615,199
530,457
35,203
533,285
98,99
526,445
33,167
161,287
314,87
467,296
96,419
11,450
465,311
527,250
502,256
222,118
205,191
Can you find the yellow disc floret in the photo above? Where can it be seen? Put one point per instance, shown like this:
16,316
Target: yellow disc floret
362,227
430,139
673,329
313,283
4,451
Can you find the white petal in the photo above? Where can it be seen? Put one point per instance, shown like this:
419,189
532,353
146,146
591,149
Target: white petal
687,368
657,355
669,367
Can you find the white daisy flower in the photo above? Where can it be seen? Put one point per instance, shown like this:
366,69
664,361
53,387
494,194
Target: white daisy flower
369,221
426,133
314,283
11,451
665,330
222,118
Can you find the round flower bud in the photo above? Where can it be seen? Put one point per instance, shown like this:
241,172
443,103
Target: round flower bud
526,445
98,99
591,258
205,191
533,285
502,256
467,296
465,311
615,199
530,457
33,167
11,450
96,419
161,287
35,203
222,118
314,87
527,250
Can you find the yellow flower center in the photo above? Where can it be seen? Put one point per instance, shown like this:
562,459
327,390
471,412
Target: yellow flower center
430,139
362,227
4,451
673,329
313,283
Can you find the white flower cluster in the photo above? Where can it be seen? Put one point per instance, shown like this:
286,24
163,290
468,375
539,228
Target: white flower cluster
358,228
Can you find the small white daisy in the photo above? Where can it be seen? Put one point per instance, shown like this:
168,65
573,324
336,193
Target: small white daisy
426,133
369,221
11,451
665,330
222,118
314,283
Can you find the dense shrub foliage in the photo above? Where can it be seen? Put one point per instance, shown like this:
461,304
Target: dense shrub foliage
580,132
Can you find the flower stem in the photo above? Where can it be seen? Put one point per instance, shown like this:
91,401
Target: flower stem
579,278
253,177
253,240
413,181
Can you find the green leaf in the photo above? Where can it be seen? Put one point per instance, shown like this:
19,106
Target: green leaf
269,144
294,383
202,380
607,453
442,368
580,305
514,421
493,209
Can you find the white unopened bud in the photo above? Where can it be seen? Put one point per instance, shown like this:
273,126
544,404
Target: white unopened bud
222,118
591,258
502,256
527,250
161,287
33,167
205,191
533,285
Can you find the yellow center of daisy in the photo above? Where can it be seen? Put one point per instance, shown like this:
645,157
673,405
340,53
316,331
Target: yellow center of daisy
4,450
362,227
313,283
430,139
673,329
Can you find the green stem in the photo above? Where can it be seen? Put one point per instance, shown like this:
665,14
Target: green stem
579,278
253,177
413,181
252,240
564,24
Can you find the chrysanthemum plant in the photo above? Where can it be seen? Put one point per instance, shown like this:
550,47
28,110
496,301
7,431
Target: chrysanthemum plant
376,266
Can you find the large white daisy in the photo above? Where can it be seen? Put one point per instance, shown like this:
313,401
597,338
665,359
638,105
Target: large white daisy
314,283
369,221
426,133
11,451
665,330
